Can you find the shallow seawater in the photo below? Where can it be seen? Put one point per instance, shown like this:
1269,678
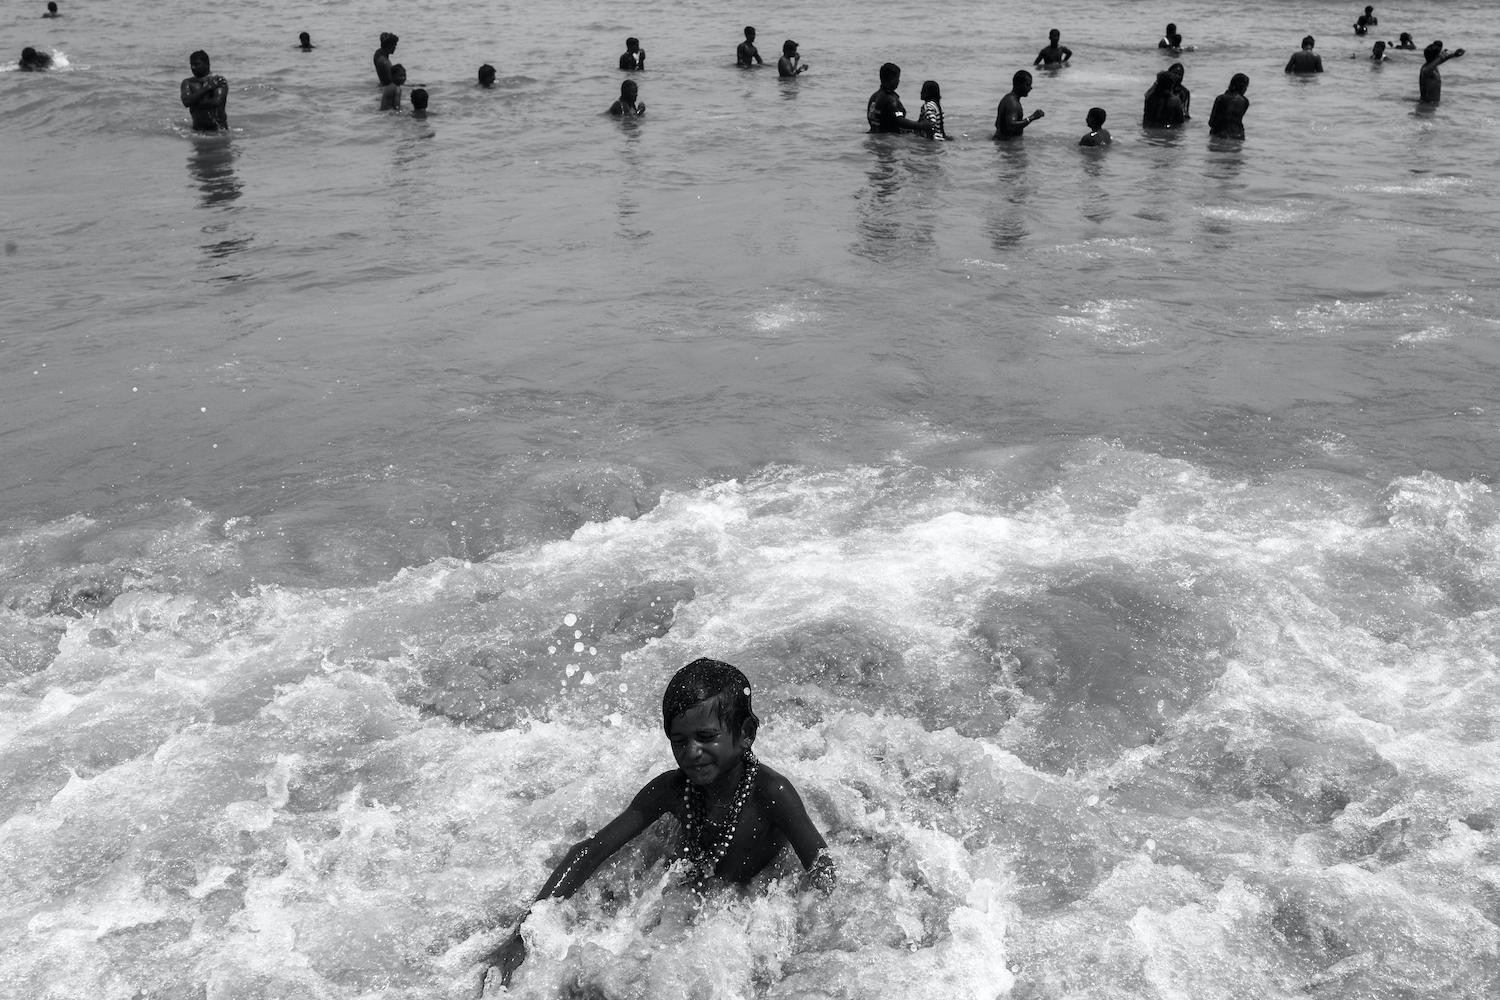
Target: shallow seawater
1111,538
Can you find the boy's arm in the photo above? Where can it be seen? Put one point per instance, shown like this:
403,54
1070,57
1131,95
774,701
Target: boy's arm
789,815
196,89
581,861
585,857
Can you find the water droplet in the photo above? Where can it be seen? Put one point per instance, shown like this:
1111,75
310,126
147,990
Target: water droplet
570,620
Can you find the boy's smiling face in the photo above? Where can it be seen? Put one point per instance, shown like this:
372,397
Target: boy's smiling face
704,747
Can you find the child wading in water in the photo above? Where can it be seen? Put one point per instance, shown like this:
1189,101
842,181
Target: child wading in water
736,814
932,109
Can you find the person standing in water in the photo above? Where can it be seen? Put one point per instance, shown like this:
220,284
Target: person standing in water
790,63
634,57
383,57
1429,80
884,111
1227,119
1305,60
304,42
931,114
1055,54
1009,120
205,95
1097,135
747,54
627,106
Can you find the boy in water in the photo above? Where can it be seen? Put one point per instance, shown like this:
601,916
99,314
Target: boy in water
1429,80
634,57
790,63
304,42
747,52
1227,119
419,103
736,814
1365,21
383,57
1009,123
627,106
487,76
52,9
204,95
390,94
1305,60
1055,54
1098,135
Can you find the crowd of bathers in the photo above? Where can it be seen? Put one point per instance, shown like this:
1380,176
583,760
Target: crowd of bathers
1167,102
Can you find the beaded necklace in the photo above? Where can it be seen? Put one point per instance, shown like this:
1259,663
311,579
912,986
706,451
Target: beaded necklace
695,822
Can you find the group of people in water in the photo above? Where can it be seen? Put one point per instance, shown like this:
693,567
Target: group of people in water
1166,105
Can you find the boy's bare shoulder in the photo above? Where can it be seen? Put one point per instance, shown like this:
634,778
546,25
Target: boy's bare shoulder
774,787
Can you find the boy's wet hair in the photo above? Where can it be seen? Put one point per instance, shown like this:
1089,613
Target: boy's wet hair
1095,117
703,679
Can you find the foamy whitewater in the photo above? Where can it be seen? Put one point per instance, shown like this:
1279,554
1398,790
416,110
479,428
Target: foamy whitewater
1110,536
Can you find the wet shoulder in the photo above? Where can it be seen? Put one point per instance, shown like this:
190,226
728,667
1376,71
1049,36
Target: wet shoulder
772,787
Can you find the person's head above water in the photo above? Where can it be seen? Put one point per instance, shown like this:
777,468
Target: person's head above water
419,99
398,74
931,91
749,33
1433,50
388,41
1021,82
890,75
305,40
51,9
706,679
198,63
1095,118
628,91
788,48
631,44
1054,36
486,75
1378,50
1239,83
1308,42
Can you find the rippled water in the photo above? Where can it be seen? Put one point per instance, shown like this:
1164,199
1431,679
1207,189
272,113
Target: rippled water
1110,537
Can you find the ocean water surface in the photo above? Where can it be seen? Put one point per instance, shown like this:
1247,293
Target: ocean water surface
1110,535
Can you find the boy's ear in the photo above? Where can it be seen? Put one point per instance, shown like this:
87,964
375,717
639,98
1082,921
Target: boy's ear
749,728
